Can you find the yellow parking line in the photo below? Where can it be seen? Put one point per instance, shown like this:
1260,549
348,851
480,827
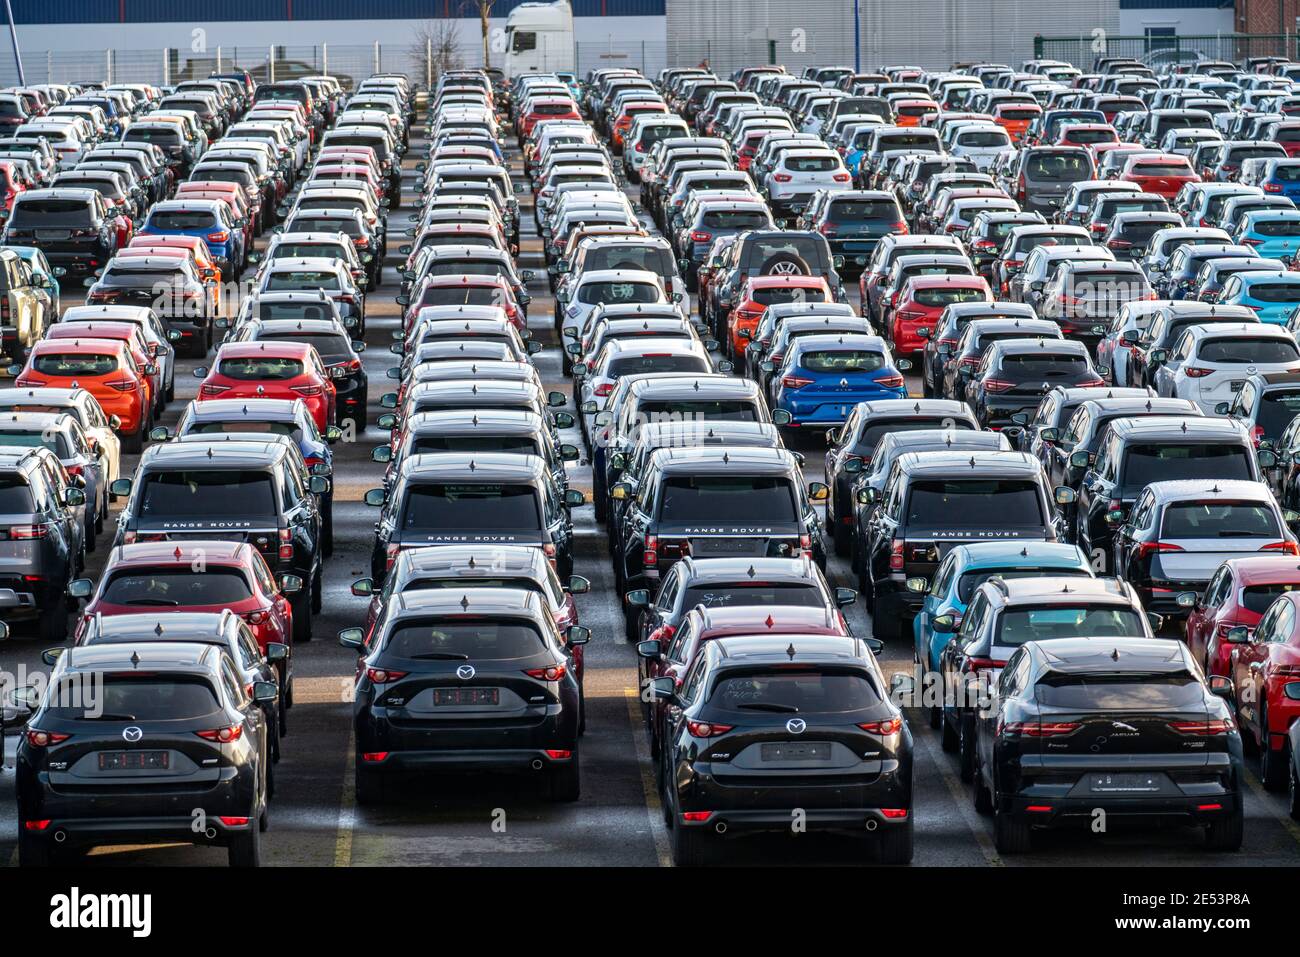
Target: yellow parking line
653,808
347,808
960,796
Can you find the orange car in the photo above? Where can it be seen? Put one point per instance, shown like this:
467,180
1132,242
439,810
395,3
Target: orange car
918,112
103,367
200,256
1015,118
759,292
630,112
127,332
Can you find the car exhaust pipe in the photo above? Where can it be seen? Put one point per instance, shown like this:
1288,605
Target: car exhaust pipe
210,833
721,827
537,764
60,837
871,824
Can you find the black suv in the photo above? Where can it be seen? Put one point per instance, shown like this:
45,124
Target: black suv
453,498
71,226
233,491
715,502
467,679
1014,374
933,501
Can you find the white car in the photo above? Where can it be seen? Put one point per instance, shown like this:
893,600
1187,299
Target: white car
981,143
1209,363
98,426
603,287
639,356
801,172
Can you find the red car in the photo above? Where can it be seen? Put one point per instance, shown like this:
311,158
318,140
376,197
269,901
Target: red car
669,652
1086,134
545,109
199,576
1164,174
267,369
920,303
1237,595
759,292
463,289
1265,673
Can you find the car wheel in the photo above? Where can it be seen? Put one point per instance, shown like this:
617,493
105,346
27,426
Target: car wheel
33,851
1226,834
1011,832
1293,787
133,444
948,734
691,846
982,795
302,618
965,749
1272,772
317,593
564,783
896,843
841,536
369,786
245,849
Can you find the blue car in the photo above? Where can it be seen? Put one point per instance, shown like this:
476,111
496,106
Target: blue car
967,567
824,376
1281,177
1272,233
1271,295
211,220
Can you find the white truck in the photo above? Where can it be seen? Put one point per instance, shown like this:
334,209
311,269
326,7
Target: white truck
539,39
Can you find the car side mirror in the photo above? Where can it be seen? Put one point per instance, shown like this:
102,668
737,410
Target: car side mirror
852,465
1267,458
664,689
637,598
1239,635
375,497
918,585
1221,686
649,649
120,488
620,491
573,498
382,453
80,588
818,492
51,656
353,638
1222,408
1079,460
73,497
578,585
363,587
944,624
781,417
1187,599
866,496
318,484
577,635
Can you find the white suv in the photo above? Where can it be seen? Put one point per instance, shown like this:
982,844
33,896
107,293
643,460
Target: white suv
1210,363
801,172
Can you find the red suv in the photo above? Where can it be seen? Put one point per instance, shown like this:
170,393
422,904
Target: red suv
920,303
267,369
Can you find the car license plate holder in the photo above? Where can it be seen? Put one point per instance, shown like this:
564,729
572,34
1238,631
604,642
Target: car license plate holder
1125,782
785,751
135,760
462,697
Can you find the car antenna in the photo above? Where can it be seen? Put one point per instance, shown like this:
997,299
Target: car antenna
135,659
472,563
472,466
158,628
464,602
751,573
790,651
1114,655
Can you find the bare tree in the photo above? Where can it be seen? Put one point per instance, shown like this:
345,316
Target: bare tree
484,8
439,41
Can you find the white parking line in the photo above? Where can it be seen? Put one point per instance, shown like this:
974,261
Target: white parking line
347,807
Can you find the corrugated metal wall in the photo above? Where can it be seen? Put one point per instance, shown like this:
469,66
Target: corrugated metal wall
206,11
928,33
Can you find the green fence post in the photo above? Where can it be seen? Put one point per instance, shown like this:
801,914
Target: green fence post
771,52
1038,46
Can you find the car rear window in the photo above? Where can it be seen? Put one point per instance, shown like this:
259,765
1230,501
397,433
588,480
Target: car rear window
302,280
946,295
70,364
758,594
1278,227
842,360
1107,691
727,498
811,164
484,506
1147,463
181,219
1049,365
329,346
1276,410
984,138
925,142
243,425
1057,167
1161,169
132,698
735,219
645,258
811,691
461,295
1018,625
594,293
260,368
871,435
523,444
664,362
771,295
172,586
57,442
1218,519
43,213
685,410
1250,351
863,211
15,496
463,639
964,503
208,494
1257,598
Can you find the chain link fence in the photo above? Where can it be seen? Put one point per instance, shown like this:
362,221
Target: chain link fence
1157,51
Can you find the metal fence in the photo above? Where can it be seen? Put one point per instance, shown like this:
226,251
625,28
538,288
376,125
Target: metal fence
170,65
1157,51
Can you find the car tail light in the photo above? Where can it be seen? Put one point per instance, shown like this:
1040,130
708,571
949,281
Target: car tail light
794,381
214,389
896,561
382,676
1206,728
1272,188
374,757
1145,549
286,545
390,555
257,617
700,236
696,817
997,385
307,390
558,755
121,385
223,735
1286,548
640,147
984,244
841,177
1038,729
37,825
553,673
40,739
981,664
782,177
650,556
888,726
604,389
1093,383
1248,241
220,236
899,228
707,729
22,533
894,381
1196,372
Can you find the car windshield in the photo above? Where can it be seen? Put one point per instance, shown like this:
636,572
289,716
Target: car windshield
74,364
1018,625
1219,519
1249,351
964,503
209,494
1044,366
804,691
1107,691
968,582
294,310
57,442
728,499
135,698
439,506
759,594
330,346
245,425
665,362
685,410
172,586
523,444
464,639
1147,463
260,368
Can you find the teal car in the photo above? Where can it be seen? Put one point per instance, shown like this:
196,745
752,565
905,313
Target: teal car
1272,233
44,274
1271,295
962,571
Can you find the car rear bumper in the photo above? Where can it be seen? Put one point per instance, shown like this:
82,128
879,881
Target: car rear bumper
432,762
87,832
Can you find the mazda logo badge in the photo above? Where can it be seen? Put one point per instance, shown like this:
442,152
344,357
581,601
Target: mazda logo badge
132,734
796,725
465,672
